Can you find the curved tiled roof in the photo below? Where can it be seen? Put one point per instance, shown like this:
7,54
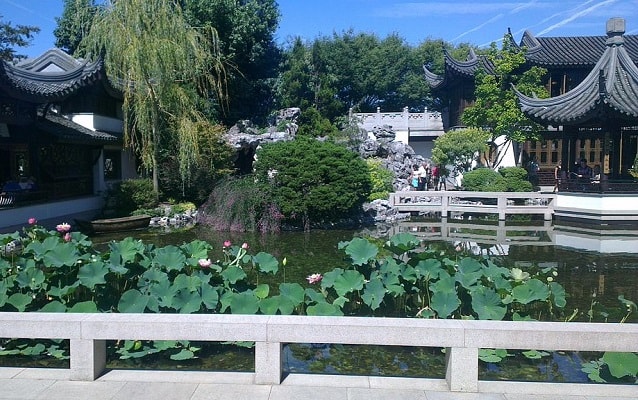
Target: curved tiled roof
574,51
610,89
69,131
50,77
465,68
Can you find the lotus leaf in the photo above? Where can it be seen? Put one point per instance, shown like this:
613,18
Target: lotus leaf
621,364
197,249
210,296
558,294
93,274
592,369
184,354
529,291
262,290
31,278
393,285
60,292
20,301
446,283
403,242
293,292
83,307
270,305
187,302
487,304
492,355
126,250
409,273
266,262
315,296
163,292
244,303
324,309
349,281
132,301
188,282
361,251
469,272
169,257
54,306
445,303
390,266
38,249
535,354
63,254
373,293
330,277
153,275
34,350
233,274
429,269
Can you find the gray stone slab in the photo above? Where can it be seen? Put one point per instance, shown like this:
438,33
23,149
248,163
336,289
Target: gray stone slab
385,394
155,391
75,390
242,378
464,396
231,392
519,396
26,389
385,382
44,373
283,392
8,372
327,380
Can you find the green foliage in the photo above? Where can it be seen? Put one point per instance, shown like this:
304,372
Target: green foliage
312,181
460,148
313,124
14,36
510,179
496,108
381,179
74,24
133,194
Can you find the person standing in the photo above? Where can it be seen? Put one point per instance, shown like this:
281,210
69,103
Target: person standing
435,177
557,175
423,173
414,178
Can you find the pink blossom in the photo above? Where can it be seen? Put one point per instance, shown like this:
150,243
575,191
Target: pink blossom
204,262
245,246
63,227
227,243
32,221
67,237
314,278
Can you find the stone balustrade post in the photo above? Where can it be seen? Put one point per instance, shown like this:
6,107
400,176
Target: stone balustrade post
268,363
501,204
461,372
88,359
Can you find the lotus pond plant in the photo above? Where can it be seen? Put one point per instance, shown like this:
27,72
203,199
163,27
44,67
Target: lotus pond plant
61,271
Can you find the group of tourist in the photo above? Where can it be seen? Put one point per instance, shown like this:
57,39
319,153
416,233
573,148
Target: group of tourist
583,172
427,176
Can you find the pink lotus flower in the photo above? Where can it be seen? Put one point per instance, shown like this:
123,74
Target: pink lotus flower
32,221
67,237
204,262
227,243
245,246
314,278
63,227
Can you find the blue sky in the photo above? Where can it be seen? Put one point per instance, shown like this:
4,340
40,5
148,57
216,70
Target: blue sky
479,22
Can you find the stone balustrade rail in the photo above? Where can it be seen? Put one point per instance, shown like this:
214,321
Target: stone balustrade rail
461,339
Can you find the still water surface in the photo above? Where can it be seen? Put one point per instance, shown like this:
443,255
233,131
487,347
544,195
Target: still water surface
594,267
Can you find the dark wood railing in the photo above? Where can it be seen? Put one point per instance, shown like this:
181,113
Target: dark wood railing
610,186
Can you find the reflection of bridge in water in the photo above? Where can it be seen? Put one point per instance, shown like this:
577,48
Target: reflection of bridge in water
545,233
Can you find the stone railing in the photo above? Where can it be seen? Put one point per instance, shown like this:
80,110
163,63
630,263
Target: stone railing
401,120
462,340
501,203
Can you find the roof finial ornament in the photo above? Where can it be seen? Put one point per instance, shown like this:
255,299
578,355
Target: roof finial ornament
615,31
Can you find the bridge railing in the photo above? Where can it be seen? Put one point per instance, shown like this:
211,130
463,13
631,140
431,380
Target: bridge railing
461,339
501,203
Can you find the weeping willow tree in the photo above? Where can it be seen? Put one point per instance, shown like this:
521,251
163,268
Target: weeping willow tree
163,67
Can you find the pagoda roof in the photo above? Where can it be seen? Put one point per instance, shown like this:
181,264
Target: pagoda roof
68,131
53,76
547,52
610,90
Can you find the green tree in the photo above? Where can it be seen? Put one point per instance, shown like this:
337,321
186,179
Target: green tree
460,148
161,64
313,181
14,36
496,108
246,30
74,24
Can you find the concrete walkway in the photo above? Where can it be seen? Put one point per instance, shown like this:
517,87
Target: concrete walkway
50,384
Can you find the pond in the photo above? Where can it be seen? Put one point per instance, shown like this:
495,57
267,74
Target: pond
592,279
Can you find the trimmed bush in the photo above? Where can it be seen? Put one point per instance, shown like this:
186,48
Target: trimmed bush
484,180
